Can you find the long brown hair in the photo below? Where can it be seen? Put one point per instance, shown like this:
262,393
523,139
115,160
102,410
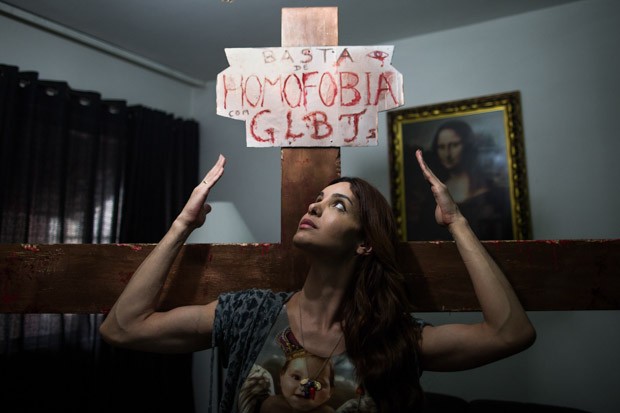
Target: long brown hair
381,336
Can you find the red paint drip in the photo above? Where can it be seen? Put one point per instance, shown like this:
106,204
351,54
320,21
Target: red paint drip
133,247
265,249
30,247
378,55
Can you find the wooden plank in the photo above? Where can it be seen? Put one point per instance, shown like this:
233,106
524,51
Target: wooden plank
305,171
547,275
88,278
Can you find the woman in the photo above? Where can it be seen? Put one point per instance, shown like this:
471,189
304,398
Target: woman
352,308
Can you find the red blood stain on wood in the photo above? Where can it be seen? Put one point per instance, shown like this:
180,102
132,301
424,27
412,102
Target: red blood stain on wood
133,247
31,247
124,277
265,249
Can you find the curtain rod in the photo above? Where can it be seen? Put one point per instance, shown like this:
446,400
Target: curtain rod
58,29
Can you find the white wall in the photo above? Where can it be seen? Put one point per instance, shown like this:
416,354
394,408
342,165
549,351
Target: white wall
565,62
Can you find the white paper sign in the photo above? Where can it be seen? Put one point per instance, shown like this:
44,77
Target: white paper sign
309,96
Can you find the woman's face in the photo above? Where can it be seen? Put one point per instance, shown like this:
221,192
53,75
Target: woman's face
449,148
332,222
296,371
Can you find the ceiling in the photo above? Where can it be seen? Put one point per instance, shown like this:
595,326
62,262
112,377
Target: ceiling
189,36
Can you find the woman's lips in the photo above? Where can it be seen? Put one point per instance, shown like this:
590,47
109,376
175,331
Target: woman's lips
306,223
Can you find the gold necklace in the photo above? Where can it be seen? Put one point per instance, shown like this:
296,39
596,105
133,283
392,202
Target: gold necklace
309,386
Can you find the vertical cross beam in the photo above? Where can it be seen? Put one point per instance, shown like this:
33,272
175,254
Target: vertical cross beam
305,171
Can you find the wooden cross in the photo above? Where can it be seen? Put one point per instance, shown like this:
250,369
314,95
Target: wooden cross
547,275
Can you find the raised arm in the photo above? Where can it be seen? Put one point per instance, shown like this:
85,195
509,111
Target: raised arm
506,328
133,321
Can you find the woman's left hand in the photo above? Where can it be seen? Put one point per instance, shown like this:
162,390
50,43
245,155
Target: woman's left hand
446,211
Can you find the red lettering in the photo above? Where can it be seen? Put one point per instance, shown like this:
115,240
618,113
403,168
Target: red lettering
385,77
367,88
285,90
228,85
315,121
329,91
289,124
258,95
305,78
269,131
355,118
348,80
269,82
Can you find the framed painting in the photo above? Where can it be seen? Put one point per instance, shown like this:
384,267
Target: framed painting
475,146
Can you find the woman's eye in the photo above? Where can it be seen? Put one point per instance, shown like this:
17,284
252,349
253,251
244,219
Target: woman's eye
340,206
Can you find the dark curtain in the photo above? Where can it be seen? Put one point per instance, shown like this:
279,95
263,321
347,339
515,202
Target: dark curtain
76,168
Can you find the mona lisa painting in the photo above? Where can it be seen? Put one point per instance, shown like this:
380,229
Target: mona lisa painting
476,148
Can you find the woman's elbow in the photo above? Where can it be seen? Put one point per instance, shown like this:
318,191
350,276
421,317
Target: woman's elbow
105,331
529,336
522,339
112,333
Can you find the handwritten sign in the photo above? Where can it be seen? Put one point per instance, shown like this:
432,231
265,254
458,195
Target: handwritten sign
309,96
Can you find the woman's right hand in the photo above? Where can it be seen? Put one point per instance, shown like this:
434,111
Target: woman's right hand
196,209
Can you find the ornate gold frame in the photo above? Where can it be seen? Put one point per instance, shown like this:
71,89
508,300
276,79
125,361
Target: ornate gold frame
507,104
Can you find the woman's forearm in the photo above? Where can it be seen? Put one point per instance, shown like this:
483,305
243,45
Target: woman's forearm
140,296
500,306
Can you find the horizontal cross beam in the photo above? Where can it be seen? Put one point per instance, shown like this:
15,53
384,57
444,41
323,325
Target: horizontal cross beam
86,278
